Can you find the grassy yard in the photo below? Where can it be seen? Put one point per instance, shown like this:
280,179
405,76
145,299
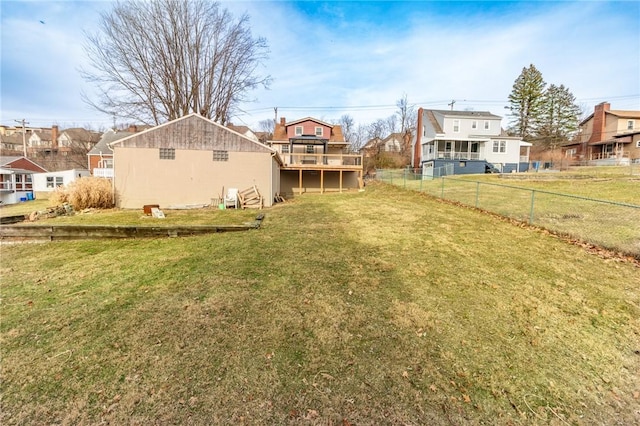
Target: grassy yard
381,307
595,206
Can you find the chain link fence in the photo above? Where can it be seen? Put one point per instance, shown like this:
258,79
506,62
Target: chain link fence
608,224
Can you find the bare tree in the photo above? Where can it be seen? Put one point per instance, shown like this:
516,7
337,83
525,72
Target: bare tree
406,114
266,125
348,127
377,129
158,60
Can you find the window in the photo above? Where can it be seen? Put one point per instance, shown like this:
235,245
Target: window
310,149
54,181
474,124
298,130
285,149
486,125
638,144
318,131
456,126
220,155
167,153
500,146
463,164
105,163
630,125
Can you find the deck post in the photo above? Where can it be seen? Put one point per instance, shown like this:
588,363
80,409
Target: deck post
321,181
300,183
340,180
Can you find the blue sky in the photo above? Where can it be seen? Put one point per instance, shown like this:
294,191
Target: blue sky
333,58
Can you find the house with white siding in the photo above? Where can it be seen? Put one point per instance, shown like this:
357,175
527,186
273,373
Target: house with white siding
466,142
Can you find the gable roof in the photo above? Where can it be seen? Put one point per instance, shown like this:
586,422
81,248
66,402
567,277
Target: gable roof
466,114
44,135
146,135
79,134
102,147
280,130
620,113
8,162
315,120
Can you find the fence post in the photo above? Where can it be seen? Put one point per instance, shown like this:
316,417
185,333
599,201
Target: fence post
477,193
533,194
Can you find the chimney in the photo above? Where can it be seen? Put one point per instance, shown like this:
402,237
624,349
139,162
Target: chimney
417,149
282,121
132,128
599,122
54,136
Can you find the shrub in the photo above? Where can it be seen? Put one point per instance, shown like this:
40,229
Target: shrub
84,193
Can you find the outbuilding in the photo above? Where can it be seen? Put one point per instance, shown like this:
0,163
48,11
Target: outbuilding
191,161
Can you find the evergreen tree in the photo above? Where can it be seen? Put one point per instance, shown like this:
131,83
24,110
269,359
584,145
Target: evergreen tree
558,117
525,101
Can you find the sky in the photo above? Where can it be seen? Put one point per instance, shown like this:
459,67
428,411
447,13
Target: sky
359,58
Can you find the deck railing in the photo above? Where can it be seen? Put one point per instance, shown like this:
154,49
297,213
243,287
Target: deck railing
453,155
323,160
103,173
7,185
607,155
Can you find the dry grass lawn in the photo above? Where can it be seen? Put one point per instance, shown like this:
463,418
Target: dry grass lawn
381,307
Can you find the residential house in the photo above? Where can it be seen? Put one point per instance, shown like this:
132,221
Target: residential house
315,157
12,144
392,143
16,178
245,131
100,157
45,183
77,139
43,141
465,142
606,137
191,161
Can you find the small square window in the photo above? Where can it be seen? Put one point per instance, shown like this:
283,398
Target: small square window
167,153
310,149
474,124
220,155
298,130
630,125
318,131
285,149
456,126
486,125
463,164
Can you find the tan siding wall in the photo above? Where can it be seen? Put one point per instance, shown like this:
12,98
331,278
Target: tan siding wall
192,178
193,133
275,178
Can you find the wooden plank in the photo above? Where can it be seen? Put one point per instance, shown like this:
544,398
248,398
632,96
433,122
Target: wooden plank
81,232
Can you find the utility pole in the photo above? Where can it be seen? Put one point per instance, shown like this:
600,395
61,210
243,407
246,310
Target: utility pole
24,139
275,120
453,101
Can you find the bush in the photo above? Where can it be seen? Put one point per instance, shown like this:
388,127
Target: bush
85,193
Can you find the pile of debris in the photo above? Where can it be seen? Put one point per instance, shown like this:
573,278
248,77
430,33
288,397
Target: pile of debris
65,209
250,198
